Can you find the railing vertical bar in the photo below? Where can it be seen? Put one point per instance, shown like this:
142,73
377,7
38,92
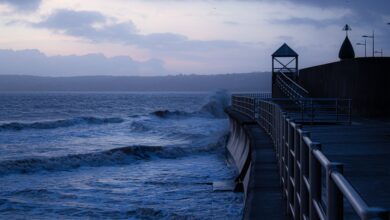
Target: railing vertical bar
297,172
290,166
304,174
315,181
335,204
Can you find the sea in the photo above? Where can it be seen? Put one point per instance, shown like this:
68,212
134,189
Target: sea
114,155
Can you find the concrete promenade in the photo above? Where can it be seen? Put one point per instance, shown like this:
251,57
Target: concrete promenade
263,194
364,149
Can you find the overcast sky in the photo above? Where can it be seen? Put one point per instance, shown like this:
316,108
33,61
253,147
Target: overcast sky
156,37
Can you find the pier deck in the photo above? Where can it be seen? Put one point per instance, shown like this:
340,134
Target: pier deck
364,149
265,200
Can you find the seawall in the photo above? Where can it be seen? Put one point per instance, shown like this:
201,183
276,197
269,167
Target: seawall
252,152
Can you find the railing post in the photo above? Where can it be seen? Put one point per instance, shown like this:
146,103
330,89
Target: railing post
334,204
297,172
290,168
315,181
304,158
284,149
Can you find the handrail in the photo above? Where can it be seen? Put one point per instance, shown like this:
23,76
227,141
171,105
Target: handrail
301,162
245,103
294,83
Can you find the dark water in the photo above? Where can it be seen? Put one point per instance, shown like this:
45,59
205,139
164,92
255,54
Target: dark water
114,156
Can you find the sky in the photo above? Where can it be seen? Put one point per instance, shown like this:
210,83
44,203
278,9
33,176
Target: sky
165,37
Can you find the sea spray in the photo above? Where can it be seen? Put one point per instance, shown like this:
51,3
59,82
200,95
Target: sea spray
216,104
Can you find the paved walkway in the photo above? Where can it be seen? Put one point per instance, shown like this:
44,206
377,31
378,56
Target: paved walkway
364,149
264,198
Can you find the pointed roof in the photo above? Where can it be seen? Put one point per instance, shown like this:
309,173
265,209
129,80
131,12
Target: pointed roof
346,50
284,51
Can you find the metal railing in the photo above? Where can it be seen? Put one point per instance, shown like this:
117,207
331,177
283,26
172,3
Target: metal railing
310,192
290,88
245,103
301,162
317,110
304,110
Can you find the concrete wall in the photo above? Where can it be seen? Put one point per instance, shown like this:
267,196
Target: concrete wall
253,155
365,80
239,149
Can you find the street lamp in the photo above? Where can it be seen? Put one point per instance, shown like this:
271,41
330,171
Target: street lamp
365,47
373,41
381,52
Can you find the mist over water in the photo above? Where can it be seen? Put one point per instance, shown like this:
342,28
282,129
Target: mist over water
114,155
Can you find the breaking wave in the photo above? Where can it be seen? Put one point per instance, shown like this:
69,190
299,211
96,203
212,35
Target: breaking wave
16,126
216,104
116,156
214,107
167,113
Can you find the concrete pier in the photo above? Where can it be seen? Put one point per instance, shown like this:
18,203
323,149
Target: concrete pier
364,149
260,177
320,147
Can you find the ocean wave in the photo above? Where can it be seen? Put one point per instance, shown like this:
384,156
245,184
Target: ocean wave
216,104
139,126
17,126
168,113
116,156
214,107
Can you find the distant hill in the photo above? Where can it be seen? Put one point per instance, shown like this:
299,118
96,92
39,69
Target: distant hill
231,82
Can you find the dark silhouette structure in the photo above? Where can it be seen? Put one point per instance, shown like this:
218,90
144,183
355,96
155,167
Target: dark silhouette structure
284,64
346,50
288,66
365,80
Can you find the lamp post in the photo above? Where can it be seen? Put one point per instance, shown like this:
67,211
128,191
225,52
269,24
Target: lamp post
373,42
381,52
365,47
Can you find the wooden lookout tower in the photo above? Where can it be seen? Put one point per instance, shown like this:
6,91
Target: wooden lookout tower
285,60
284,69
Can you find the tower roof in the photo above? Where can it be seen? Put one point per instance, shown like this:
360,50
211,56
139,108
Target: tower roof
284,51
346,50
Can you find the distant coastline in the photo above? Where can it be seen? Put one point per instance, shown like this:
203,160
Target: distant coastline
255,81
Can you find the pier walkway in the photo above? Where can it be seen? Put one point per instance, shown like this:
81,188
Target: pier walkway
264,199
364,149
336,170
330,166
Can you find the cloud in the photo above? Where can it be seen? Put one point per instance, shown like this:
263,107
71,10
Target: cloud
68,19
25,5
232,23
307,21
33,62
381,6
97,27
364,12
